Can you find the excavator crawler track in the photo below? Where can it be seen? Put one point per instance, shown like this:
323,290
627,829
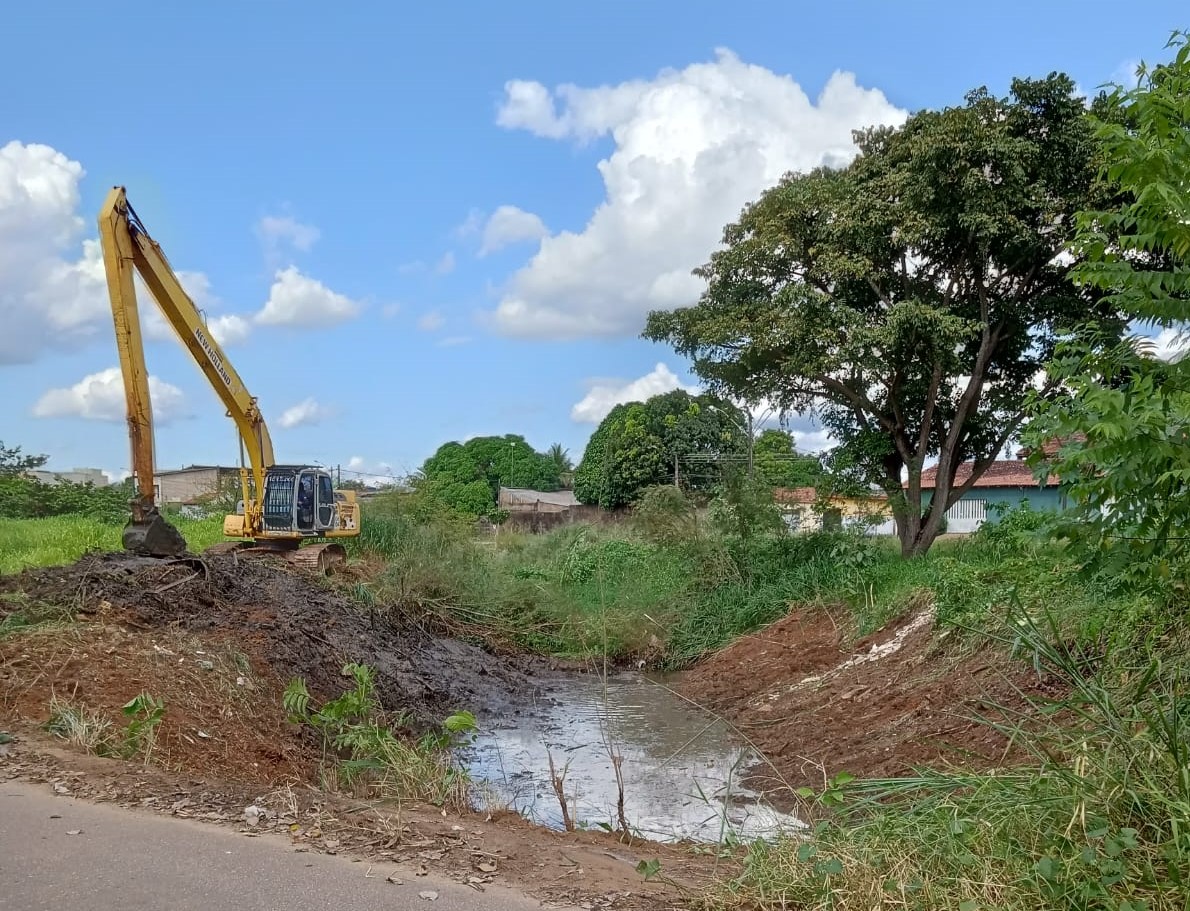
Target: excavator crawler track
322,559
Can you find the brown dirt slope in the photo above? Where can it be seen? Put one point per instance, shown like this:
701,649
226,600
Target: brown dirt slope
294,625
896,699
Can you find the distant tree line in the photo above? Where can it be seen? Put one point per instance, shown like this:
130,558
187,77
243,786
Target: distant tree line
25,497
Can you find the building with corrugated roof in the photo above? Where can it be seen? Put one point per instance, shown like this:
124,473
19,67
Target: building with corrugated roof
522,499
1006,482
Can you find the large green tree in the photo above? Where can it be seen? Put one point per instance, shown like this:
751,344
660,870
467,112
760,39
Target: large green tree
468,476
911,297
1121,413
777,463
673,438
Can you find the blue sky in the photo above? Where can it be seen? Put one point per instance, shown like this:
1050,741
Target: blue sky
413,225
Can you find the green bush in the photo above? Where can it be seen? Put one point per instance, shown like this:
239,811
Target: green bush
665,514
27,498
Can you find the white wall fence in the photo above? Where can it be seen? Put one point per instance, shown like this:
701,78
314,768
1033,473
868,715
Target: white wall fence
963,518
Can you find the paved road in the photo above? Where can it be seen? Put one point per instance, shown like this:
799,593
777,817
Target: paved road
134,861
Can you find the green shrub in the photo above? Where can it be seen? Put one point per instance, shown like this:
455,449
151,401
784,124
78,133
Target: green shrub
26,498
665,514
361,747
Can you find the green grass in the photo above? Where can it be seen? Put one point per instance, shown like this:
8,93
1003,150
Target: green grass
26,543
578,591
589,591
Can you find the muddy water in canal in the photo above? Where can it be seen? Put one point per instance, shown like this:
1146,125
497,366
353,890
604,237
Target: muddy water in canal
681,767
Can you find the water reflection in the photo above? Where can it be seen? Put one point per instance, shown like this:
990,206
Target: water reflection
681,769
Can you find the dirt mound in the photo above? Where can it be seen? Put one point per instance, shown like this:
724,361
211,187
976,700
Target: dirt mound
221,711
894,700
291,623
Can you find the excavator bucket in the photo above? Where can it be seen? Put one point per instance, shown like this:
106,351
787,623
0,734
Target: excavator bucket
154,537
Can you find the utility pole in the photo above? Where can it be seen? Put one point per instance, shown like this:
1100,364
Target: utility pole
676,484
338,475
751,440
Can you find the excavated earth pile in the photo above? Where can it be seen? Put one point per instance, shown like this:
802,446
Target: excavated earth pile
816,705
286,621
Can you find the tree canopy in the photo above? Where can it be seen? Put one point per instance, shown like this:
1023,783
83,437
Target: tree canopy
777,462
25,497
14,462
468,476
672,437
911,297
1121,415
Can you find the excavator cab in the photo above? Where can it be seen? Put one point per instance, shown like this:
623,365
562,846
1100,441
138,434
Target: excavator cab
299,499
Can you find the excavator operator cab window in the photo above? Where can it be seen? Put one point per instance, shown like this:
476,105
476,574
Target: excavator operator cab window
305,502
326,501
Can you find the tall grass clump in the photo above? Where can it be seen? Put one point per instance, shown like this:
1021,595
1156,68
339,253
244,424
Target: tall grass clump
1096,815
577,591
769,575
671,585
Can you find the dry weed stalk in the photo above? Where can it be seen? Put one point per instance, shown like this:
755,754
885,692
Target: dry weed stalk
559,783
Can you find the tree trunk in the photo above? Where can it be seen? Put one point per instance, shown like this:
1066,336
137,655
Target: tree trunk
917,531
919,544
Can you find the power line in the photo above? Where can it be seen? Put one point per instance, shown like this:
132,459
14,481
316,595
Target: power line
370,474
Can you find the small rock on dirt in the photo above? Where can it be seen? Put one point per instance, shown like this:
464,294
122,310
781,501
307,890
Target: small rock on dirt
428,895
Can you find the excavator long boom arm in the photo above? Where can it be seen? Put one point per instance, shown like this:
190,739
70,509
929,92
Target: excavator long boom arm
128,248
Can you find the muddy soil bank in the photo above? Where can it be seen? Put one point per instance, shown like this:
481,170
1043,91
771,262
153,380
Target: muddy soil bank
816,705
292,624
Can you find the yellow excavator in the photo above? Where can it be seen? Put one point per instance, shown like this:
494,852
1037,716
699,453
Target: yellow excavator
289,510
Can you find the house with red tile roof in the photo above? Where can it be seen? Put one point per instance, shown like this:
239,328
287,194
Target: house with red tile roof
1006,482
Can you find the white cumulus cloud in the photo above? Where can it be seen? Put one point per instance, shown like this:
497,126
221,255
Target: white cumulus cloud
52,289
691,148
298,300
278,230
370,473
229,329
509,225
431,321
446,264
1170,344
472,223
604,395
307,411
100,397
813,441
